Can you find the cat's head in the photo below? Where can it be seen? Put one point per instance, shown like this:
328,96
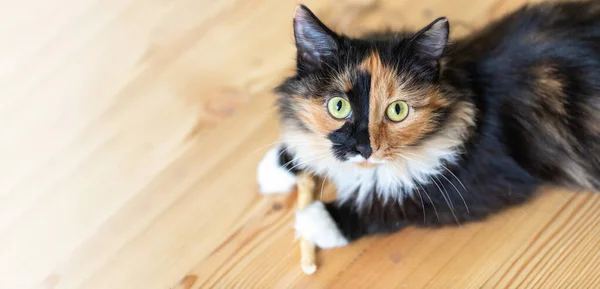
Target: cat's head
373,100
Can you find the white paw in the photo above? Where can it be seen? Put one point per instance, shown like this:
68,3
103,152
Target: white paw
272,178
314,223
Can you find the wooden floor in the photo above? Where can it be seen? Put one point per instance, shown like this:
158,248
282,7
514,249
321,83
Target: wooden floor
131,130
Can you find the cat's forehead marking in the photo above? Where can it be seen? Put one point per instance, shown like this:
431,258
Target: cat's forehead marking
388,85
371,63
383,78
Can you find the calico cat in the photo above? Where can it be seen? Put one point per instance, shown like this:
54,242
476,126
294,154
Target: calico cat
414,130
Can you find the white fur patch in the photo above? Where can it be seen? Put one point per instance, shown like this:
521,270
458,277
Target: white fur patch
272,178
390,181
358,159
314,224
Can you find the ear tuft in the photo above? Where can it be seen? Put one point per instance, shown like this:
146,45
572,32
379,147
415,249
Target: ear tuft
315,43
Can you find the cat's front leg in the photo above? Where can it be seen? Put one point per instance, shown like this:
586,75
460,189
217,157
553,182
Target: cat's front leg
316,224
276,173
336,224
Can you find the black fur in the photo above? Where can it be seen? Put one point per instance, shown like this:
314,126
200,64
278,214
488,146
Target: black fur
286,161
534,79
353,137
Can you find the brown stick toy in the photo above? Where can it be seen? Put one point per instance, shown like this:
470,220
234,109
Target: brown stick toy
306,188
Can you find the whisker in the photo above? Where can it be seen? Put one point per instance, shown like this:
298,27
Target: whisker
294,146
430,200
314,152
459,193
309,155
283,151
446,170
451,183
422,206
271,144
309,160
294,142
420,197
450,206
444,187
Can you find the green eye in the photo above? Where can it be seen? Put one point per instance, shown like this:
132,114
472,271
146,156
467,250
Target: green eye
339,107
397,111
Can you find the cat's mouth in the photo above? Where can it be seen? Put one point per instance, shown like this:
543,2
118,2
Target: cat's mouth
365,163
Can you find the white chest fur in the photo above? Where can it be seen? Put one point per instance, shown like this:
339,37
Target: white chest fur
389,182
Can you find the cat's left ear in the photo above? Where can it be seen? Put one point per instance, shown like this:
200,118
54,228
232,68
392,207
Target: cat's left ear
432,40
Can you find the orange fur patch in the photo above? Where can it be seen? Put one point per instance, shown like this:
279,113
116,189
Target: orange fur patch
314,113
387,136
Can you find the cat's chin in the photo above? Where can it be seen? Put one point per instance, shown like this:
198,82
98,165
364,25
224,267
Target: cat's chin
365,163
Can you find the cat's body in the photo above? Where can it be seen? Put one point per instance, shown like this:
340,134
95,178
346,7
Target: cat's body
480,124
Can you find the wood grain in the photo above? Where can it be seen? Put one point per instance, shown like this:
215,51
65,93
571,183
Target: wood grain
131,131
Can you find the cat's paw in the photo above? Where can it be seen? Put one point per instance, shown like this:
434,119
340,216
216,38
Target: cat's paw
314,224
272,178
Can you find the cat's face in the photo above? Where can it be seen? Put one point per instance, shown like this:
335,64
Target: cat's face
369,101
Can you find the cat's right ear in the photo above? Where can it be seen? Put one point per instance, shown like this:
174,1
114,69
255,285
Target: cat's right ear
315,43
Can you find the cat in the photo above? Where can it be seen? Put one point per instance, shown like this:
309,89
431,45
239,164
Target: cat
415,130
